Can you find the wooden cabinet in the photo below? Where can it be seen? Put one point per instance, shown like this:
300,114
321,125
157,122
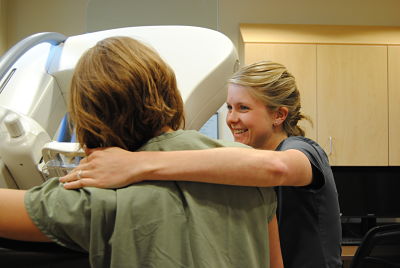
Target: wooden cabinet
351,104
394,104
349,79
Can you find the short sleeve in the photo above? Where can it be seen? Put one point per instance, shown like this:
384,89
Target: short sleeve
315,155
65,216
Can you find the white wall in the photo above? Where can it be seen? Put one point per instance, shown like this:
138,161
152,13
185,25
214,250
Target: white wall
225,15
105,14
28,17
3,35
77,16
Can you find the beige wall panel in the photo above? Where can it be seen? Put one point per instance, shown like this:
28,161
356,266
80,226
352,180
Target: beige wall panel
3,27
352,104
25,18
301,62
394,105
106,14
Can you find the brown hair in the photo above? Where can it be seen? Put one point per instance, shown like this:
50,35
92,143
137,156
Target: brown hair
272,84
123,94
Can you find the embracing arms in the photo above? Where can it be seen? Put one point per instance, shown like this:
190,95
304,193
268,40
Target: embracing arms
114,167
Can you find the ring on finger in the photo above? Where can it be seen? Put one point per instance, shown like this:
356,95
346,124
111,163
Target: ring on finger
78,175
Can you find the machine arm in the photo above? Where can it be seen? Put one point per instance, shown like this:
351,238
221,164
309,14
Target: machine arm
14,53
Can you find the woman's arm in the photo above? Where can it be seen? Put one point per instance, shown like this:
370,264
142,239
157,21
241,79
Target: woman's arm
114,167
275,253
15,222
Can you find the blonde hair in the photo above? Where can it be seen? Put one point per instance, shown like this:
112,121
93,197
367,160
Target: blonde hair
272,84
123,94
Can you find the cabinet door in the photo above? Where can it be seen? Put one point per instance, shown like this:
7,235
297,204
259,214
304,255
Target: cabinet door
352,103
300,60
394,105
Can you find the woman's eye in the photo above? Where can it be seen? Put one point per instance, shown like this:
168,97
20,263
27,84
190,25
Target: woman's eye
243,107
229,107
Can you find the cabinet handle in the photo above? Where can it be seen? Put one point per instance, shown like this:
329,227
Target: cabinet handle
330,145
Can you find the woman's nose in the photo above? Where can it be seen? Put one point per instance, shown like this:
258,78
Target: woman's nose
232,117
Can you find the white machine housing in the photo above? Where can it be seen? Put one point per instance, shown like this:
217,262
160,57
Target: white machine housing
36,89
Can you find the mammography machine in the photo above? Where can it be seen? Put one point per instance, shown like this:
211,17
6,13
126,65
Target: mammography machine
34,81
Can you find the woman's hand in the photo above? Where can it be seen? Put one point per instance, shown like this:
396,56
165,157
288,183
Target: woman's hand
104,168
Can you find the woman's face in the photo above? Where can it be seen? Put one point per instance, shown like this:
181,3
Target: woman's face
249,119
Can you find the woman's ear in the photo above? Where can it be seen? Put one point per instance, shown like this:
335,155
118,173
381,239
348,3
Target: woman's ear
280,115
